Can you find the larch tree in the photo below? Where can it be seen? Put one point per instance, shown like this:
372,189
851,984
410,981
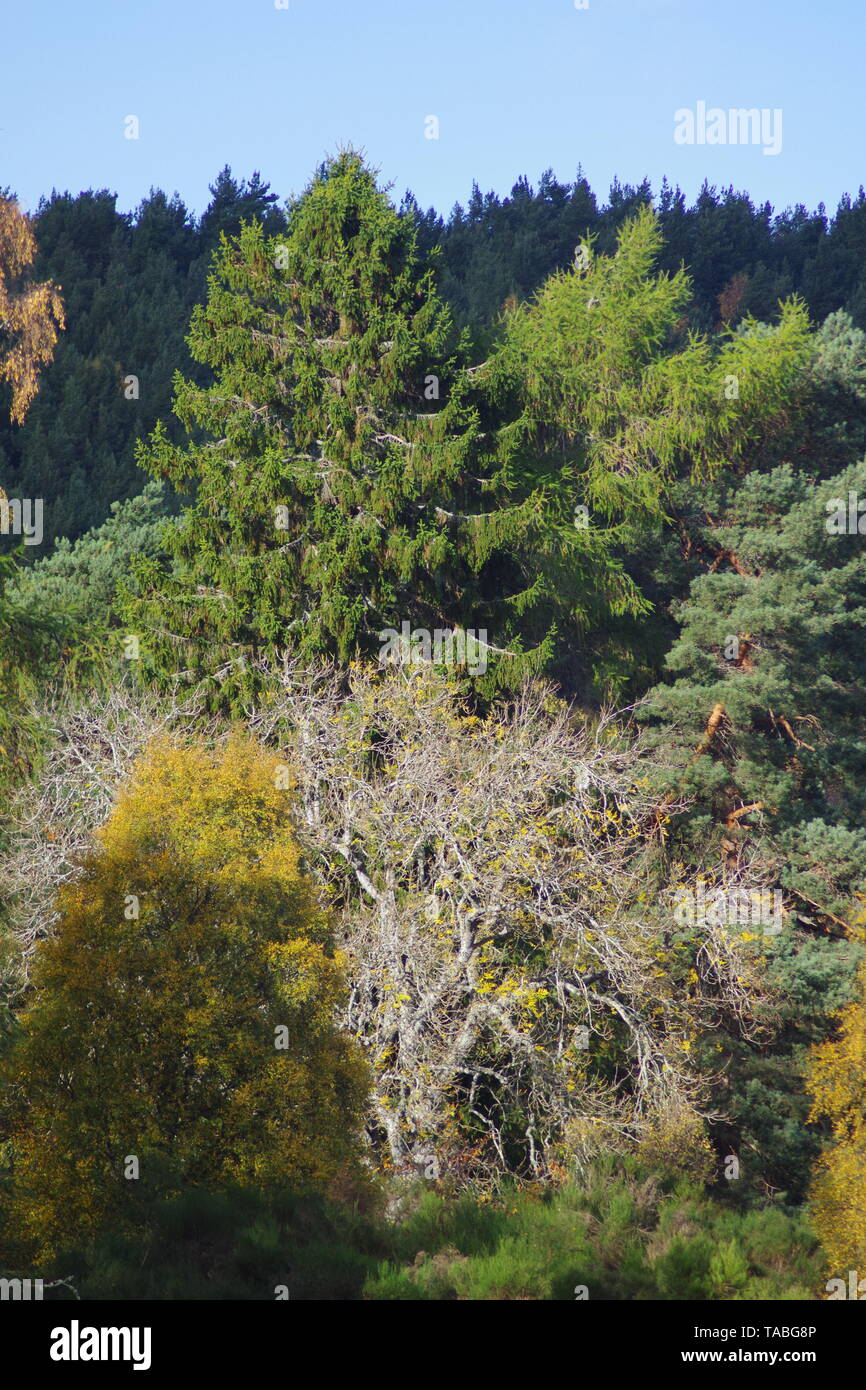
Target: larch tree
606,399
31,313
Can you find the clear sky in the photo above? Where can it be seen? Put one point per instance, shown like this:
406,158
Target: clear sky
517,86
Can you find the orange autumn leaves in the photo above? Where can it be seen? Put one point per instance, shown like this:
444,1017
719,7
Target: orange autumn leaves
31,315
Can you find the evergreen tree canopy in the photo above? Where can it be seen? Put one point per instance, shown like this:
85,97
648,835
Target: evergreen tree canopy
330,504
309,524
608,399
764,708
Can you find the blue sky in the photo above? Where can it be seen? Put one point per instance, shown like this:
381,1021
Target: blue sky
516,87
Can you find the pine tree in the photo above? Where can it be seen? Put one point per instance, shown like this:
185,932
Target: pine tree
762,720
760,725
234,202
80,579
30,643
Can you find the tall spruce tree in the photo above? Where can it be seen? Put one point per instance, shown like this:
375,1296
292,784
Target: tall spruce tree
324,454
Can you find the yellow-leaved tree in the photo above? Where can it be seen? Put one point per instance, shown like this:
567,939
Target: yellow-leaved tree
837,1085
181,1030
30,313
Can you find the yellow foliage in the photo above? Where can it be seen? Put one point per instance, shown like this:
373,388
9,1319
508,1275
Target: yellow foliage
184,1010
677,1141
837,1085
30,314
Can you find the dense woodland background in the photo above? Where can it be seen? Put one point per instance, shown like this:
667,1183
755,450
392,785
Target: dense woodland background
644,416
130,281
